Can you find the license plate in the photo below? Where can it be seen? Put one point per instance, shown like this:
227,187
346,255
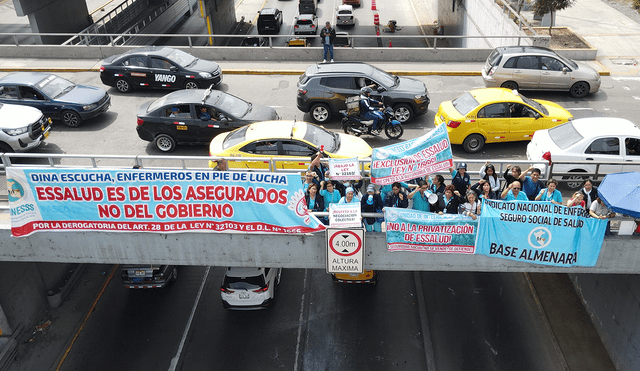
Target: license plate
181,127
140,273
46,134
244,295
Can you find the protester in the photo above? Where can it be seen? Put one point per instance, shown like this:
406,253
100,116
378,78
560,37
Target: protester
420,197
550,193
330,195
472,207
372,203
484,191
309,178
314,201
511,174
600,211
436,186
531,185
460,179
488,173
449,202
318,167
577,200
397,197
512,192
590,192
221,165
327,34
385,189
339,186
349,197
355,184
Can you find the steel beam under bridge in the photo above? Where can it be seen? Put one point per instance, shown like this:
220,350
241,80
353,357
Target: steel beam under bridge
620,254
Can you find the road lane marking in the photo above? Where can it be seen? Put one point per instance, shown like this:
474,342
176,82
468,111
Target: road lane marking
424,324
300,320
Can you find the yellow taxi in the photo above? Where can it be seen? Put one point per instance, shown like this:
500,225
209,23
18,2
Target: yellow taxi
368,276
496,115
284,139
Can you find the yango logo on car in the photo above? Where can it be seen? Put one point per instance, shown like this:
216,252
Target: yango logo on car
165,78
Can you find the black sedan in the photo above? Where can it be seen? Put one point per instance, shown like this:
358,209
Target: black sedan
158,67
196,117
56,97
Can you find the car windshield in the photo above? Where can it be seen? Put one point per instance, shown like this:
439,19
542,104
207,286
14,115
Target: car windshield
244,283
535,104
304,21
54,86
565,135
569,62
235,137
322,137
158,103
384,78
181,58
465,103
234,106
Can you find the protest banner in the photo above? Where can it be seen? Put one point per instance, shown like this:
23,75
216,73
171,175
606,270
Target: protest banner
140,200
412,159
344,169
539,232
414,230
345,215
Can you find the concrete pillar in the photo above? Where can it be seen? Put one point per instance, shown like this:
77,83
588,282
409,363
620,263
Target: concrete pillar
51,16
220,17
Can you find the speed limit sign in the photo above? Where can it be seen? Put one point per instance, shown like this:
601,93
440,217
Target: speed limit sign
345,250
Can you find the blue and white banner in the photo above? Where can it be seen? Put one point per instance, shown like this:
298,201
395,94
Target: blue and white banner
539,232
412,159
161,201
414,230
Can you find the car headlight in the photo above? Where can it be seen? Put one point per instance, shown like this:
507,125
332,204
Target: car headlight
17,131
205,75
89,107
421,97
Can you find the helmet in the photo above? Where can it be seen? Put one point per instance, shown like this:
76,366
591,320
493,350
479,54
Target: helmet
462,165
366,90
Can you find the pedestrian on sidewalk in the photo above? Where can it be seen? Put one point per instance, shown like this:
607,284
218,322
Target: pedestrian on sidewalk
328,34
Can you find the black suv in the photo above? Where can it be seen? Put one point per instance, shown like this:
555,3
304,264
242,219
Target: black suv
269,20
323,88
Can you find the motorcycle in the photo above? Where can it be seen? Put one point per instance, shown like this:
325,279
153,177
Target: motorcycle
354,124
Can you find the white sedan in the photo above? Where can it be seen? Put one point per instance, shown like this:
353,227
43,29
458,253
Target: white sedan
345,16
599,140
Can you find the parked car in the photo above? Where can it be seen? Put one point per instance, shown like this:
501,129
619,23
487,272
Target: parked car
307,7
22,128
195,117
496,115
284,139
342,39
255,41
56,97
306,24
324,87
158,67
249,288
148,276
345,16
269,20
595,139
536,68
368,276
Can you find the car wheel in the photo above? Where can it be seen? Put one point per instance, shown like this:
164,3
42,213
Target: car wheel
320,113
403,112
165,143
511,85
71,119
473,143
393,131
174,274
574,182
347,127
190,84
123,85
579,89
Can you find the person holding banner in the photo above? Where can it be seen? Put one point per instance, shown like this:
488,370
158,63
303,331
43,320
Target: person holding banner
484,191
348,197
372,203
531,185
576,200
600,211
471,208
420,197
221,165
449,202
512,192
488,173
397,197
460,179
314,201
590,192
550,193
511,175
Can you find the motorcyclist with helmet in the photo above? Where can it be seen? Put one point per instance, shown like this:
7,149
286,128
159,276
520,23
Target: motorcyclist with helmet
370,109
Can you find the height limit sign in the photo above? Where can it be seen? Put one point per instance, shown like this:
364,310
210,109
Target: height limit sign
345,250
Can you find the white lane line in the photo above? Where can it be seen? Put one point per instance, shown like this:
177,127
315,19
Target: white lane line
176,358
304,290
580,109
636,98
424,324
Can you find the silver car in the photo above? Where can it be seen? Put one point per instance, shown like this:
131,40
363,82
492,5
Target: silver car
536,68
306,24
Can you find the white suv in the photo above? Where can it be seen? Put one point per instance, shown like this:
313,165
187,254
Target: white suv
22,128
249,288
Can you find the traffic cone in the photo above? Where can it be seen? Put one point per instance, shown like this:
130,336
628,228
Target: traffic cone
373,5
376,19
377,31
390,43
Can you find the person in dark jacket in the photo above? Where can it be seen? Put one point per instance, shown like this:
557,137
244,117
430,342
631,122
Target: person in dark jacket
397,197
511,175
589,193
314,201
372,203
327,34
449,202
483,190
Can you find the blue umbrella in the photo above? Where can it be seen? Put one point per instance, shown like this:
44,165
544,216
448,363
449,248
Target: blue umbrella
621,193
